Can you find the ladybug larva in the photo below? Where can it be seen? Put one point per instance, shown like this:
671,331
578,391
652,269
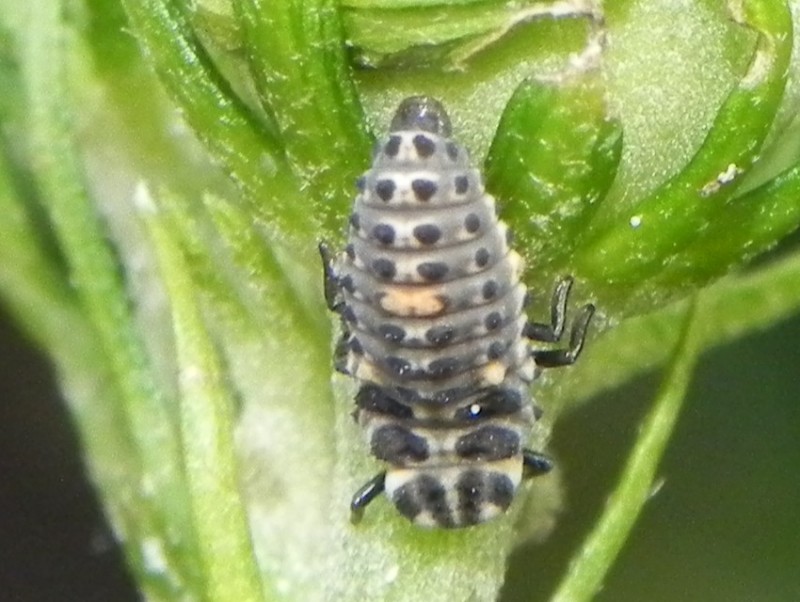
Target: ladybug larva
435,332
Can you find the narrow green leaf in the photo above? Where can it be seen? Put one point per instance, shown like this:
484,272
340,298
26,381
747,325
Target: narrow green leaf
271,281
277,355
244,272
632,244
217,21
248,148
598,553
142,129
552,162
31,275
299,64
750,224
206,421
413,33
29,281
381,31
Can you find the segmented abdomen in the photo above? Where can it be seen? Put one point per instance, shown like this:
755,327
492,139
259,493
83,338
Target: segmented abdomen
433,308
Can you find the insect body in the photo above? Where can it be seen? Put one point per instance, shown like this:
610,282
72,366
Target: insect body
434,329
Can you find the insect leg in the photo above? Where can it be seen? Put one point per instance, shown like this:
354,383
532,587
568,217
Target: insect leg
553,358
335,303
535,464
342,351
365,494
551,333
330,279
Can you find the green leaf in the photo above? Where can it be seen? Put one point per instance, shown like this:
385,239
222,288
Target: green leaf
629,244
751,224
278,365
206,421
139,132
552,162
35,287
231,131
298,62
434,32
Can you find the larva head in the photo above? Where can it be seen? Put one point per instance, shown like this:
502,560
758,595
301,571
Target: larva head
422,113
454,496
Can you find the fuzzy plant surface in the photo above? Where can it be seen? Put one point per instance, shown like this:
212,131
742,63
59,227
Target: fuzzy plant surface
168,167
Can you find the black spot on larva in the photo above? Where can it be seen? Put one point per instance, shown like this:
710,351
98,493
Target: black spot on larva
408,395
349,315
398,445
355,221
470,413
443,367
440,335
482,257
489,289
432,270
452,151
433,498
347,283
385,189
392,146
424,145
537,412
361,183
355,346
471,491
398,366
493,321
499,402
392,332
375,399
488,443
500,489
427,234
461,184
423,493
350,251
423,189
384,268
383,233
472,223
496,350
509,236
406,502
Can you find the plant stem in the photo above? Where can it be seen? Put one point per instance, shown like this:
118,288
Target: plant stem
591,564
